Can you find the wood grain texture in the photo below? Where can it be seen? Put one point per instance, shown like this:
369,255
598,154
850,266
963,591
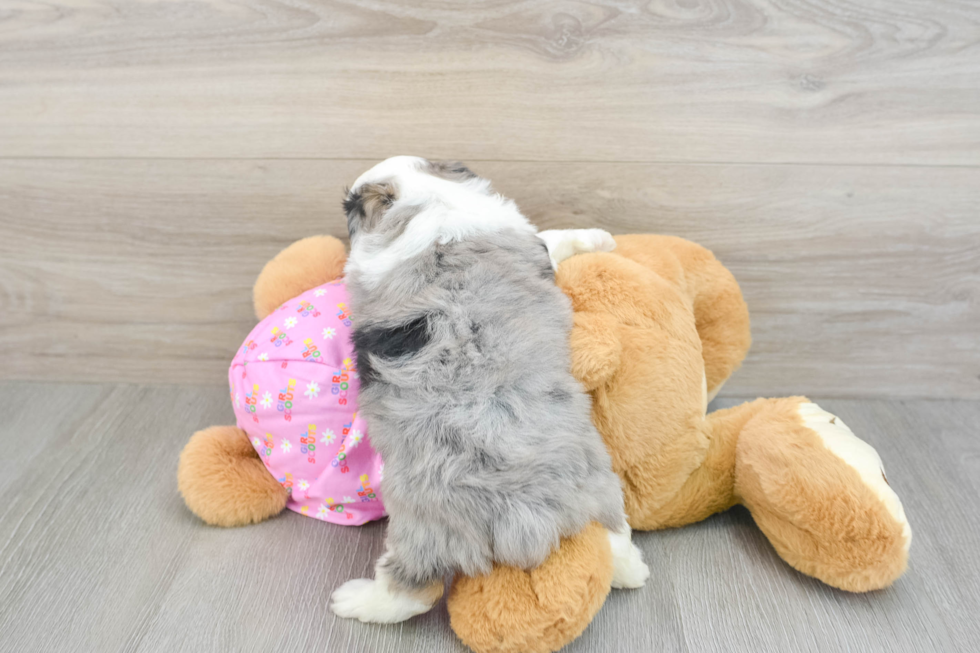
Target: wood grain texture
836,81
98,553
861,280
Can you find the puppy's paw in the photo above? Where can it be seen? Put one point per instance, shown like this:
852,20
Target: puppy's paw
629,570
353,599
595,240
373,601
565,243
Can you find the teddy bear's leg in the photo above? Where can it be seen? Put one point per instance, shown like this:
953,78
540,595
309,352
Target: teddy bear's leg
721,316
707,483
511,610
303,265
820,495
224,482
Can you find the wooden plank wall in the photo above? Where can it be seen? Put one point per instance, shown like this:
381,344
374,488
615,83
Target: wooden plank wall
153,155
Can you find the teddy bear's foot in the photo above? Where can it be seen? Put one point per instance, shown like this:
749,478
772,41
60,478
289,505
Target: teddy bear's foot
859,455
515,611
224,482
820,495
629,570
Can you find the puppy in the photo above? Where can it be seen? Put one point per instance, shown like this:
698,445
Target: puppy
461,338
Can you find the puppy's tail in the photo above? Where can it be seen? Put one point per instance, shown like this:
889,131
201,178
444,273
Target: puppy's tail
511,610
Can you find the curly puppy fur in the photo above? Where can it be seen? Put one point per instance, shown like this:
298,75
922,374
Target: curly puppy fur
462,347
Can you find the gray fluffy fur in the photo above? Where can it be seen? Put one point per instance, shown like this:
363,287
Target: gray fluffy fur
489,449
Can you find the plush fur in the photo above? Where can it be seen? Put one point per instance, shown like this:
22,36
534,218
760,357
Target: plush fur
224,482
535,611
643,316
720,314
819,514
658,326
303,265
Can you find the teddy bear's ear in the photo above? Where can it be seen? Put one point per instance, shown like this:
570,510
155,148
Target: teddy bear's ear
303,265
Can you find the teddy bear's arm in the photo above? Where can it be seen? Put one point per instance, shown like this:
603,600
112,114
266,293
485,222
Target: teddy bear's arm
305,264
596,348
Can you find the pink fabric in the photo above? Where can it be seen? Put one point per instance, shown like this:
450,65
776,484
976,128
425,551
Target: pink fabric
294,391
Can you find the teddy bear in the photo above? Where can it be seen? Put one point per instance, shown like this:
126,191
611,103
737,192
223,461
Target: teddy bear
659,326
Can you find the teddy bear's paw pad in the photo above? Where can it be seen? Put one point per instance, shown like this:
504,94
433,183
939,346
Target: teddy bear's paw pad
372,601
858,454
629,570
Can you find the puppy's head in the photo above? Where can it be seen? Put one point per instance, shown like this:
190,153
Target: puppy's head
406,204
385,198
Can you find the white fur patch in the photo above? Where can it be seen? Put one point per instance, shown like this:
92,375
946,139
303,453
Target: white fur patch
448,211
566,243
860,455
629,570
375,601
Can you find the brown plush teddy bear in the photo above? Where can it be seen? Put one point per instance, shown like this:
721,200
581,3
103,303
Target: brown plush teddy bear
660,325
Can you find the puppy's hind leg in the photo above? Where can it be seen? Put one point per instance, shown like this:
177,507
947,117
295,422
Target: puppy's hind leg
629,570
383,600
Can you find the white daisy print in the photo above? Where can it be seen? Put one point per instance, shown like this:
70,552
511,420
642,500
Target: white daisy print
290,322
256,442
286,445
348,499
312,389
328,436
263,356
329,333
322,512
319,292
355,438
266,399
304,484
238,400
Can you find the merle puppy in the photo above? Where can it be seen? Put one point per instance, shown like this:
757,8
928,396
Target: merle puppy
462,349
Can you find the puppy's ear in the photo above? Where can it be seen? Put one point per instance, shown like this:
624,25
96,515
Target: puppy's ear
366,206
451,170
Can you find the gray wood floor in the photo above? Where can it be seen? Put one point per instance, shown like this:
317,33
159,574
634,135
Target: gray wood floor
98,553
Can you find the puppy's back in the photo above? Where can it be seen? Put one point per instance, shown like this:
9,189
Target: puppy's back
490,453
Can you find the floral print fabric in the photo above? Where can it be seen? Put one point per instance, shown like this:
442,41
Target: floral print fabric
294,391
